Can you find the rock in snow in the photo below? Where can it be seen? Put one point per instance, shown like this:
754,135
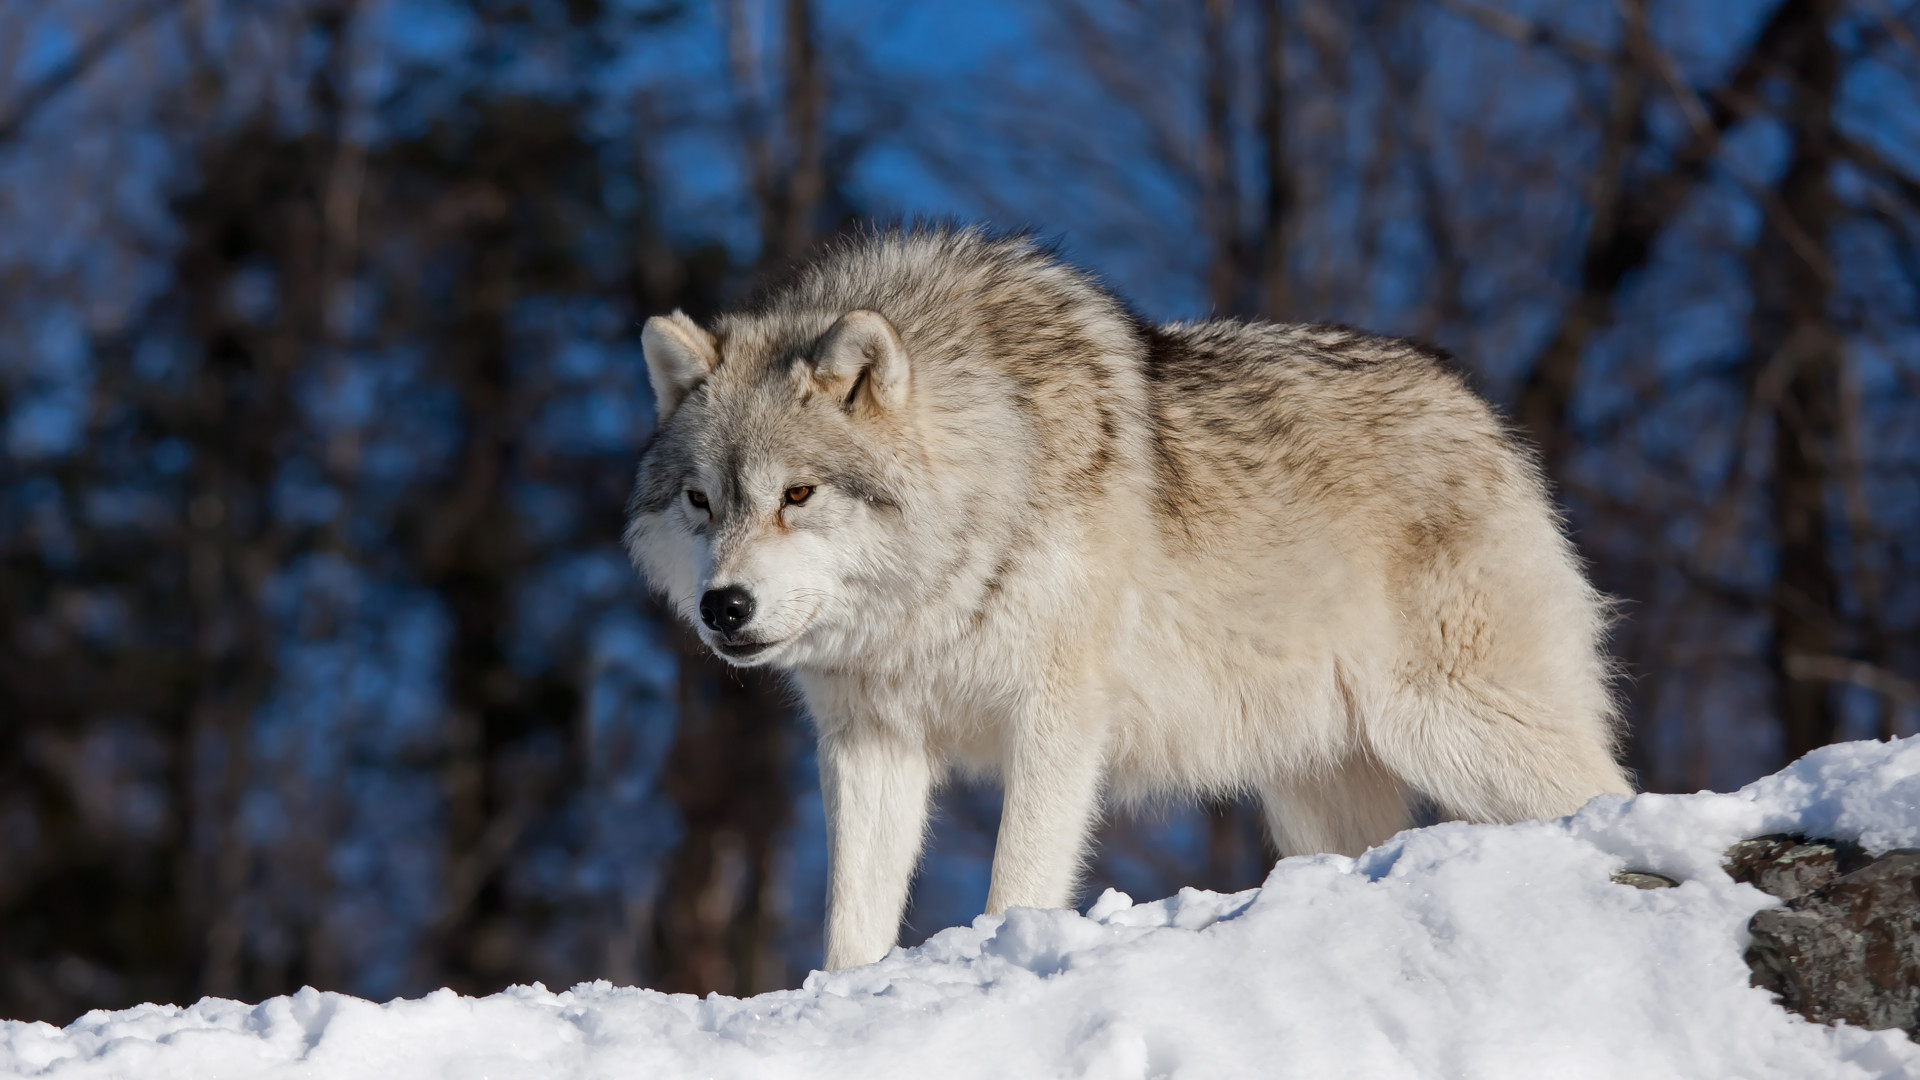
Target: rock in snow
1457,950
1846,948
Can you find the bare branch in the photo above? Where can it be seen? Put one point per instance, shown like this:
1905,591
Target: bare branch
1528,33
1808,667
1866,157
1122,77
15,118
1896,29
1641,42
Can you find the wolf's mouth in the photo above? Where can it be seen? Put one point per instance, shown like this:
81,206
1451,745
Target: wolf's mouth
743,649
744,653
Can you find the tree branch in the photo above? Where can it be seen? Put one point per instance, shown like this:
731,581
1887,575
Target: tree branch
1528,33
15,119
1808,667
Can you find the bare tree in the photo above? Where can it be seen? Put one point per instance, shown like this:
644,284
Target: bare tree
1629,212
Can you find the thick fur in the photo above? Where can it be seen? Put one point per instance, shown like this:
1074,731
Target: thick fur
1048,543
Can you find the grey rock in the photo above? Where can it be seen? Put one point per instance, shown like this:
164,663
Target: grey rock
1790,867
1643,879
1846,947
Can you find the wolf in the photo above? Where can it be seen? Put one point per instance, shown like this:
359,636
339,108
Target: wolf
989,521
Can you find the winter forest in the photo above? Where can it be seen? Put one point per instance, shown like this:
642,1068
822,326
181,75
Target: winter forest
321,393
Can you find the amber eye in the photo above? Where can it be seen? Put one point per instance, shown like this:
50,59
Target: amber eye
698,499
799,494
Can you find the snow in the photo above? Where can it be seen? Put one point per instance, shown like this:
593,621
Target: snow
1456,950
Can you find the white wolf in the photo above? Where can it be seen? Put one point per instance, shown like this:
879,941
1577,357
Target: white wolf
988,520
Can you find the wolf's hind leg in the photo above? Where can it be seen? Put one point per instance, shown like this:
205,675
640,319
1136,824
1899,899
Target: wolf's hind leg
1485,754
1347,808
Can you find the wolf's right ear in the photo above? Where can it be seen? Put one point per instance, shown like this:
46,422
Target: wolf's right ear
679,354
863,359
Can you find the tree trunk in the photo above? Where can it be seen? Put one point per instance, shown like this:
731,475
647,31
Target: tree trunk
798,222
1793,335
727,774
1219,188
1276,224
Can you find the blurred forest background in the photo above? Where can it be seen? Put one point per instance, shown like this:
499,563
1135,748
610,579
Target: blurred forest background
321,392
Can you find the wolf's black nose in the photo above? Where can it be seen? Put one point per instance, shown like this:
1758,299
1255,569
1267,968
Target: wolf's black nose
726,610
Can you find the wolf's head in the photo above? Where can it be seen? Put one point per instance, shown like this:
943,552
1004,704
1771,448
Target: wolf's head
766,499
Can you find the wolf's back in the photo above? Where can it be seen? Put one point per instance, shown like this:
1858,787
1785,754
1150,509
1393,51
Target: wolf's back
1355,425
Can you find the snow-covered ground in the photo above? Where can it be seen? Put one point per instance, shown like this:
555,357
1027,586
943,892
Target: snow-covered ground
1452,951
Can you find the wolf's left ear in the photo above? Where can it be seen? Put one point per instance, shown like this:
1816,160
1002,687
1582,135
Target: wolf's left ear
679,354
863,359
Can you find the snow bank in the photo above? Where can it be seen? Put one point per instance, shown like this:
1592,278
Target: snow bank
1457,950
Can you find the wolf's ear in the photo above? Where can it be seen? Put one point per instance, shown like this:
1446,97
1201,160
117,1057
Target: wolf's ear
863,359
679,354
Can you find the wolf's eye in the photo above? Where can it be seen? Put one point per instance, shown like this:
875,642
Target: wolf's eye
698,499
799,493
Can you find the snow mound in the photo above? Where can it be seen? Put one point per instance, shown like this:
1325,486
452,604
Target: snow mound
1457,950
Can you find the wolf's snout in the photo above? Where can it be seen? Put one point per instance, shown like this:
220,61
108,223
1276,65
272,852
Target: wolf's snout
726,610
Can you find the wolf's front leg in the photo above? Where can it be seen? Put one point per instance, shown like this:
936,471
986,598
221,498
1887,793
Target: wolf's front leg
1052,775
875,786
